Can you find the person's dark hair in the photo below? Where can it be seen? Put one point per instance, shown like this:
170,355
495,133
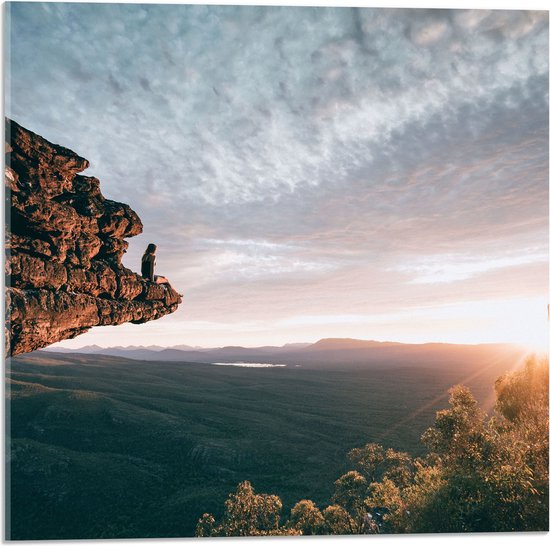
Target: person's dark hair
151,248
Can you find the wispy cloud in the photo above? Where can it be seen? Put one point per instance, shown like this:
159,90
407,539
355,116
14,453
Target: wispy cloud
314,157
446,268
238,104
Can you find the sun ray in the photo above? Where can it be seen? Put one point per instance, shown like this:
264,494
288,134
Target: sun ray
486,405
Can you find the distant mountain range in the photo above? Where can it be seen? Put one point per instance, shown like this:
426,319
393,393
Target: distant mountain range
332,353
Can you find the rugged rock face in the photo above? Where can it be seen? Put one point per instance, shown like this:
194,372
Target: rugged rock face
64,245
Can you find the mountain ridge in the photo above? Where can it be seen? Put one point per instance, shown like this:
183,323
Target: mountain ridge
331,353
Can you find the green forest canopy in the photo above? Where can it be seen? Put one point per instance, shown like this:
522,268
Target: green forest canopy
481,474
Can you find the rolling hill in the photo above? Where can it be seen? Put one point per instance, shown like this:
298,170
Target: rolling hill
105,447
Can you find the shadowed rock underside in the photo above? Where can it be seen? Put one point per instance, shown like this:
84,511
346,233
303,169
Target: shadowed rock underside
64,246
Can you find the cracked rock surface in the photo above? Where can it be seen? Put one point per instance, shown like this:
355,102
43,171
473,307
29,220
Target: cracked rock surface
64,246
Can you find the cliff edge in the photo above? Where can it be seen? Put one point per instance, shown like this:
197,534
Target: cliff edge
64,246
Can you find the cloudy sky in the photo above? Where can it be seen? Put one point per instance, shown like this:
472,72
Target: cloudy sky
308,172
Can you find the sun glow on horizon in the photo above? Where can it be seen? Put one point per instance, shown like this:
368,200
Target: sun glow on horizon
521,321
334,189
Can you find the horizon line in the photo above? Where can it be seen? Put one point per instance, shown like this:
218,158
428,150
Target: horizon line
305,343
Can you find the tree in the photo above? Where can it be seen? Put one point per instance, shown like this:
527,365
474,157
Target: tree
246,514
374,462
522,396
337,520
206,526
479,475
350,491
306,518
521,422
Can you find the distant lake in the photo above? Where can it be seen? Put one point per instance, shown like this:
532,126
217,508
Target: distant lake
249,364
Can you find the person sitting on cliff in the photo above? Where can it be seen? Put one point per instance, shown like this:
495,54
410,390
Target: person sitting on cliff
148,266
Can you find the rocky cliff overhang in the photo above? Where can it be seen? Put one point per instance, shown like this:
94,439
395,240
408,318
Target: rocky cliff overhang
64,245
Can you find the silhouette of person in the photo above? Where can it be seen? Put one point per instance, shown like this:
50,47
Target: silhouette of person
148,266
